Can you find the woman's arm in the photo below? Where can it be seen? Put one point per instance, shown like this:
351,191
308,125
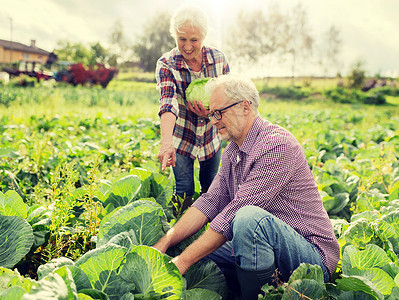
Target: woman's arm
167,153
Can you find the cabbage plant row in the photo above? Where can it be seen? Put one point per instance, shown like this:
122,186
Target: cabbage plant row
121,266
124,266
82,201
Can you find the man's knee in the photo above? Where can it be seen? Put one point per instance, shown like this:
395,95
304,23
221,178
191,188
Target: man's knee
247,219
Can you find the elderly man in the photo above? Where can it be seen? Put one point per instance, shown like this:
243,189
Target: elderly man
264,208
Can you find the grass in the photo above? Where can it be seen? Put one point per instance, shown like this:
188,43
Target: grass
130,99
59,107
392,100
136,77
138,100
131,86
317,83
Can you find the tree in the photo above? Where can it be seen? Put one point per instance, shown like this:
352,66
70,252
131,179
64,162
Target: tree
357,75
119,50
329,50
249,28
274,32
76,52
259,37
98,54
297,40
154,41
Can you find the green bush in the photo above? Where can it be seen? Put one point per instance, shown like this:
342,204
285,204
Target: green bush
374,97
357,75
387,91
289,92
7,97
23,80
342,95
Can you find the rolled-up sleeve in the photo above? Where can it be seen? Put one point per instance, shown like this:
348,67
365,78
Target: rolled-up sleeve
259,185
217,197
267,177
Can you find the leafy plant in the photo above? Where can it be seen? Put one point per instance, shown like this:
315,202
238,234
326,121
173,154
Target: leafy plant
98,170
62,187
117,271
16,240
92,208
363,270
306,282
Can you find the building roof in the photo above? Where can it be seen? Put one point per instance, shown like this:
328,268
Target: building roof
21,47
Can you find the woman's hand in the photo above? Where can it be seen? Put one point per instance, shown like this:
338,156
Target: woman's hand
198,108
167,155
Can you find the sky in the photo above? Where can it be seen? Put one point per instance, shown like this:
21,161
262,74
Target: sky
369,28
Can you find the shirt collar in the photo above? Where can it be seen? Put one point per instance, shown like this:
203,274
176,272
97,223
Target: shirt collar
206,59
252,134
248,142
180,63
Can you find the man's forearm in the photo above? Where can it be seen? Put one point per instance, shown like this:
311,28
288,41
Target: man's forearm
203,246
190,223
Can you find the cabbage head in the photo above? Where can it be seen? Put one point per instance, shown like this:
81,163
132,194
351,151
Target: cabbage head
196,91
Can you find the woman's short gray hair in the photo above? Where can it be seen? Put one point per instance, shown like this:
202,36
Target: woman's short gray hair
192,15
236,89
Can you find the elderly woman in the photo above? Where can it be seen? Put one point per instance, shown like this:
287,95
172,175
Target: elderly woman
186,132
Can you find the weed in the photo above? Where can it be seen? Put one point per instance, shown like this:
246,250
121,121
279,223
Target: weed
62,187
92,208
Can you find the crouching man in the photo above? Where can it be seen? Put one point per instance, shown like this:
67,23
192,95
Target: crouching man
264,208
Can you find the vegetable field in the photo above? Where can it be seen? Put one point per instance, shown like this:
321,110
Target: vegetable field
82,196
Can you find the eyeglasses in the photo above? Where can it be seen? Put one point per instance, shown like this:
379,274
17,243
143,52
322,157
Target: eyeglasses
217,114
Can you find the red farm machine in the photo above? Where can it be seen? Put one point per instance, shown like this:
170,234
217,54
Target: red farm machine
72,73
76,74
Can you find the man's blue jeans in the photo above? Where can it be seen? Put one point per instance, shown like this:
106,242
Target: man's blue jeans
184,174
261,241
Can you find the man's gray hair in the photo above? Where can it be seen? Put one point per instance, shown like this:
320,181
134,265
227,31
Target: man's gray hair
236,89
191,14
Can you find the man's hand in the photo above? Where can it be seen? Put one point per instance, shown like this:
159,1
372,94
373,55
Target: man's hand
183,267
198,108
161,246
208,242
192,221
167,155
